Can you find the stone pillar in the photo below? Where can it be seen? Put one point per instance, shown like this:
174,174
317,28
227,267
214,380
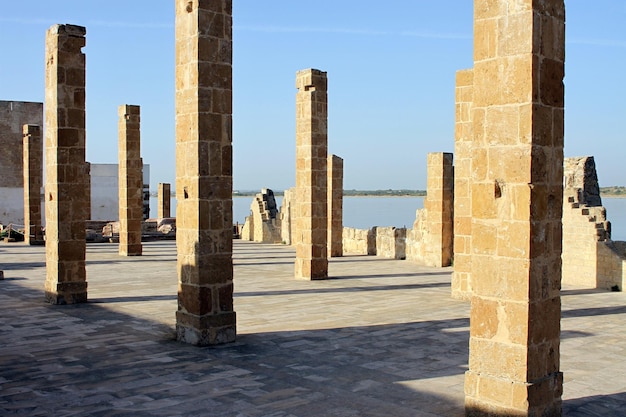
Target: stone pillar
33,180
461,283
439,205
66,192
311,175
517,190
164,197
430,240
130,180
335,206
204,223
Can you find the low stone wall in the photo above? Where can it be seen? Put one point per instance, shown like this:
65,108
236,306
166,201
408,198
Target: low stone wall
391,242
359,241
386,242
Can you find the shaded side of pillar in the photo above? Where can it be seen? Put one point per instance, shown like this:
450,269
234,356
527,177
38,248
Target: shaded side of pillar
517,194
66,191
204,224
311,175
461,277
33,181
164,200
439,204
335,206
130,180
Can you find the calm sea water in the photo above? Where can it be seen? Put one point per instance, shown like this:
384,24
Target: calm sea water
365,212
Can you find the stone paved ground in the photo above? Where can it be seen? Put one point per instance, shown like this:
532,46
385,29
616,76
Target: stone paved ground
382,338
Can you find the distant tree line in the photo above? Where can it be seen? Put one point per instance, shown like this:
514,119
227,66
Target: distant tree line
605,191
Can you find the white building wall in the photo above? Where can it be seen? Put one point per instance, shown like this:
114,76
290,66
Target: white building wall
105,191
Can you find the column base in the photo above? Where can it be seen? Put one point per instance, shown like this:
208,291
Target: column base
68,293
131,250
487,396
208,330
311,269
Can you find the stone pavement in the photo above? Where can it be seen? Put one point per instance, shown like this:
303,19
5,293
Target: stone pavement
382,338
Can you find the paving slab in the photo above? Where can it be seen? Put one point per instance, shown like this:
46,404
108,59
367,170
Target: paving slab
379,338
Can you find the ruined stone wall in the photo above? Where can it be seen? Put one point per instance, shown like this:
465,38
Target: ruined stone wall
461,277
13,116
263,225
359,241
430,240
585,227
611,265
286,215
391,242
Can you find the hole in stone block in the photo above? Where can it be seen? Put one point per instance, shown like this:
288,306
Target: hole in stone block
497,189
189,7
185,193
49,196
309,88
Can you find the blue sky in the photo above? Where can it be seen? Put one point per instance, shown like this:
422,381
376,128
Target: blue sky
390,65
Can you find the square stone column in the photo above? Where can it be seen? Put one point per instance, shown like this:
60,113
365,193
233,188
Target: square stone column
204,221
311,175
33,180
439,204
335,206
463,136
517,194
164,200
130,180
66,192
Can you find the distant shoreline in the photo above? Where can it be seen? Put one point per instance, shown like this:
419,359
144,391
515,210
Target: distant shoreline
609,192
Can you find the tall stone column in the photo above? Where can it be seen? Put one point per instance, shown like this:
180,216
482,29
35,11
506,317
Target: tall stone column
311,175
439,207
164,200
335,206
204,223
33,180
130,180
517,190
461,277
66,192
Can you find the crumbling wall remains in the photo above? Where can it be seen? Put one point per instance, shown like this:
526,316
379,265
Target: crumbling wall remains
430,240
359,241
286,215
263,224
391,242
13,116
590,258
